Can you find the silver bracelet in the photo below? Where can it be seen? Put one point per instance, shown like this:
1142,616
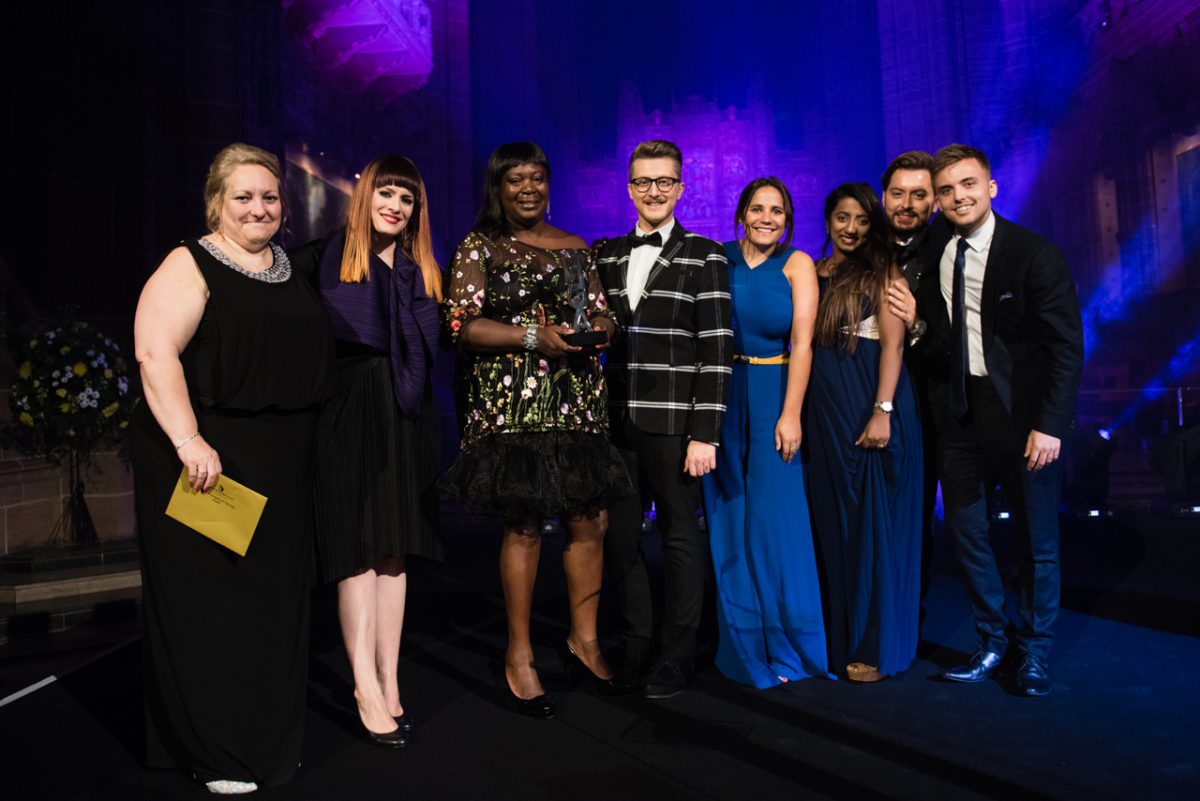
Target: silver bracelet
186,441
529,339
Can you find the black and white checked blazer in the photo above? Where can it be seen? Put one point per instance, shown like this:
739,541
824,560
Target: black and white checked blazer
670,365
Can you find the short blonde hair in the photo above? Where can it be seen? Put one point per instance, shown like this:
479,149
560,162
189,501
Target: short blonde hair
223,164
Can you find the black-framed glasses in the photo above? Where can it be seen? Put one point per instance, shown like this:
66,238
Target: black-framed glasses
664,184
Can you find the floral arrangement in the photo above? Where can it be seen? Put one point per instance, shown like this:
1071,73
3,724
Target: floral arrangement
70,392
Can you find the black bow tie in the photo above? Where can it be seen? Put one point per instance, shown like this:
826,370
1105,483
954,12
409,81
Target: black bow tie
654,239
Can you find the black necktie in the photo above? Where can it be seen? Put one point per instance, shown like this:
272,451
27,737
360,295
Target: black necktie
654,239
959,366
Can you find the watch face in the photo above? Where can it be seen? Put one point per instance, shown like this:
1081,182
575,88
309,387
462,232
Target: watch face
885,406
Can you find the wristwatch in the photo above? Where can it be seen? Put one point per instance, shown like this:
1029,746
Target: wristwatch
529,340
918,330
884,406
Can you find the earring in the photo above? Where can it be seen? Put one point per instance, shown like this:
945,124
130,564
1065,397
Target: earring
547,211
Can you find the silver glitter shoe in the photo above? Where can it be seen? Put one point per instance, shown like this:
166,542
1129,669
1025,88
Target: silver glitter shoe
230,787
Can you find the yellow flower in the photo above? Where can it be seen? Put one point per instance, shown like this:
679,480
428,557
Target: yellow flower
109,410
79,369
108,373
25,370
60,392
26,418
64,350
64,407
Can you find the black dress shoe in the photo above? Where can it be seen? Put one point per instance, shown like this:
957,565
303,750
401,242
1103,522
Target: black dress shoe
981,666
539,706
406,723
666,679
606,687
397,738
1033,677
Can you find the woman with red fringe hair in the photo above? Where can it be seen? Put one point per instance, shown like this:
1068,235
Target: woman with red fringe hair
377,440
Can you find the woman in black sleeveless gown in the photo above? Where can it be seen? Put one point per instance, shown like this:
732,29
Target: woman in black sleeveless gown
235,355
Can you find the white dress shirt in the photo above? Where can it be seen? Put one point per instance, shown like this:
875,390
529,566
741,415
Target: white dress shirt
641,260
979,244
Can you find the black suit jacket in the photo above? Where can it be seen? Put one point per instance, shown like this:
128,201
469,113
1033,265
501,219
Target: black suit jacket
1032,331
669,368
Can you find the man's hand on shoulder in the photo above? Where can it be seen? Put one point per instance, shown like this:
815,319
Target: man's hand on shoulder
701,458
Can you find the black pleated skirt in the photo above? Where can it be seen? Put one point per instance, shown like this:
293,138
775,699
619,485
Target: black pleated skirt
376,471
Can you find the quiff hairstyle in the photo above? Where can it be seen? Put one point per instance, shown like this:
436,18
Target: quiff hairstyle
223,164
415,240
952,154
657,149
909,160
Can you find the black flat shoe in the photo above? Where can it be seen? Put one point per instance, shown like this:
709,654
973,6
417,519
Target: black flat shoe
539,706
406,723
606,687
666,680
392,739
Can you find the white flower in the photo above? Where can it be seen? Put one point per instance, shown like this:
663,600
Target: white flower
507,380
527,393
564,408
474,255
499,419
531,382
506,277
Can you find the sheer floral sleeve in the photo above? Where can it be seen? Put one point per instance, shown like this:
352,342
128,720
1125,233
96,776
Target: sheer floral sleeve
468,282
597,303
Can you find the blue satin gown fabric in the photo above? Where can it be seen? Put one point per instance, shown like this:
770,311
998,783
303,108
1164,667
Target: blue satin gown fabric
866,507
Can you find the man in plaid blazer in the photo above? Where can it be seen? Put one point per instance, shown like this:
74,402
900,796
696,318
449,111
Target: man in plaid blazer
668,373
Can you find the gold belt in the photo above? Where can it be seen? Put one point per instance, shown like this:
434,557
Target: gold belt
780,359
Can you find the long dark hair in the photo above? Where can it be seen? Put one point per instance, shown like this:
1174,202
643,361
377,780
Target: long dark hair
490,221
789,213
855,287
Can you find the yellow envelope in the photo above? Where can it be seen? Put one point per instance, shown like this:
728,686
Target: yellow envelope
227,514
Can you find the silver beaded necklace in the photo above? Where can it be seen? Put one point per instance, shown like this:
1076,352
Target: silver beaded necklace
279,271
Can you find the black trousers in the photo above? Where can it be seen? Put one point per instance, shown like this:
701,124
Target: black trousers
929,481
655,462
976,453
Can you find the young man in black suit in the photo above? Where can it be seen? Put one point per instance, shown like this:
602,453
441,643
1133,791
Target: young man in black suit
1005,332
667,375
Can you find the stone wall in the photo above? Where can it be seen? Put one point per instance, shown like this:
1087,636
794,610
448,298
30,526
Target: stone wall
33,494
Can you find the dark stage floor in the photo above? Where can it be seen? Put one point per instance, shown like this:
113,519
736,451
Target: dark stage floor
1121,723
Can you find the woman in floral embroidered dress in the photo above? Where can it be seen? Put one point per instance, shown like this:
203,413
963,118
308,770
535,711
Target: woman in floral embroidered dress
535,437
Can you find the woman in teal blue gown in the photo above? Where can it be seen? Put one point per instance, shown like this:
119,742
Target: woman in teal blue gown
864,441
768,595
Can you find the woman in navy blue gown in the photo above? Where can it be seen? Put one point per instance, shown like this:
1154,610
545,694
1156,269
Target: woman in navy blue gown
768,595
864,439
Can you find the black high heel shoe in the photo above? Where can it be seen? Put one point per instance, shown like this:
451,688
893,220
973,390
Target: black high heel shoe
406,723
606,687
392,739
539,706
